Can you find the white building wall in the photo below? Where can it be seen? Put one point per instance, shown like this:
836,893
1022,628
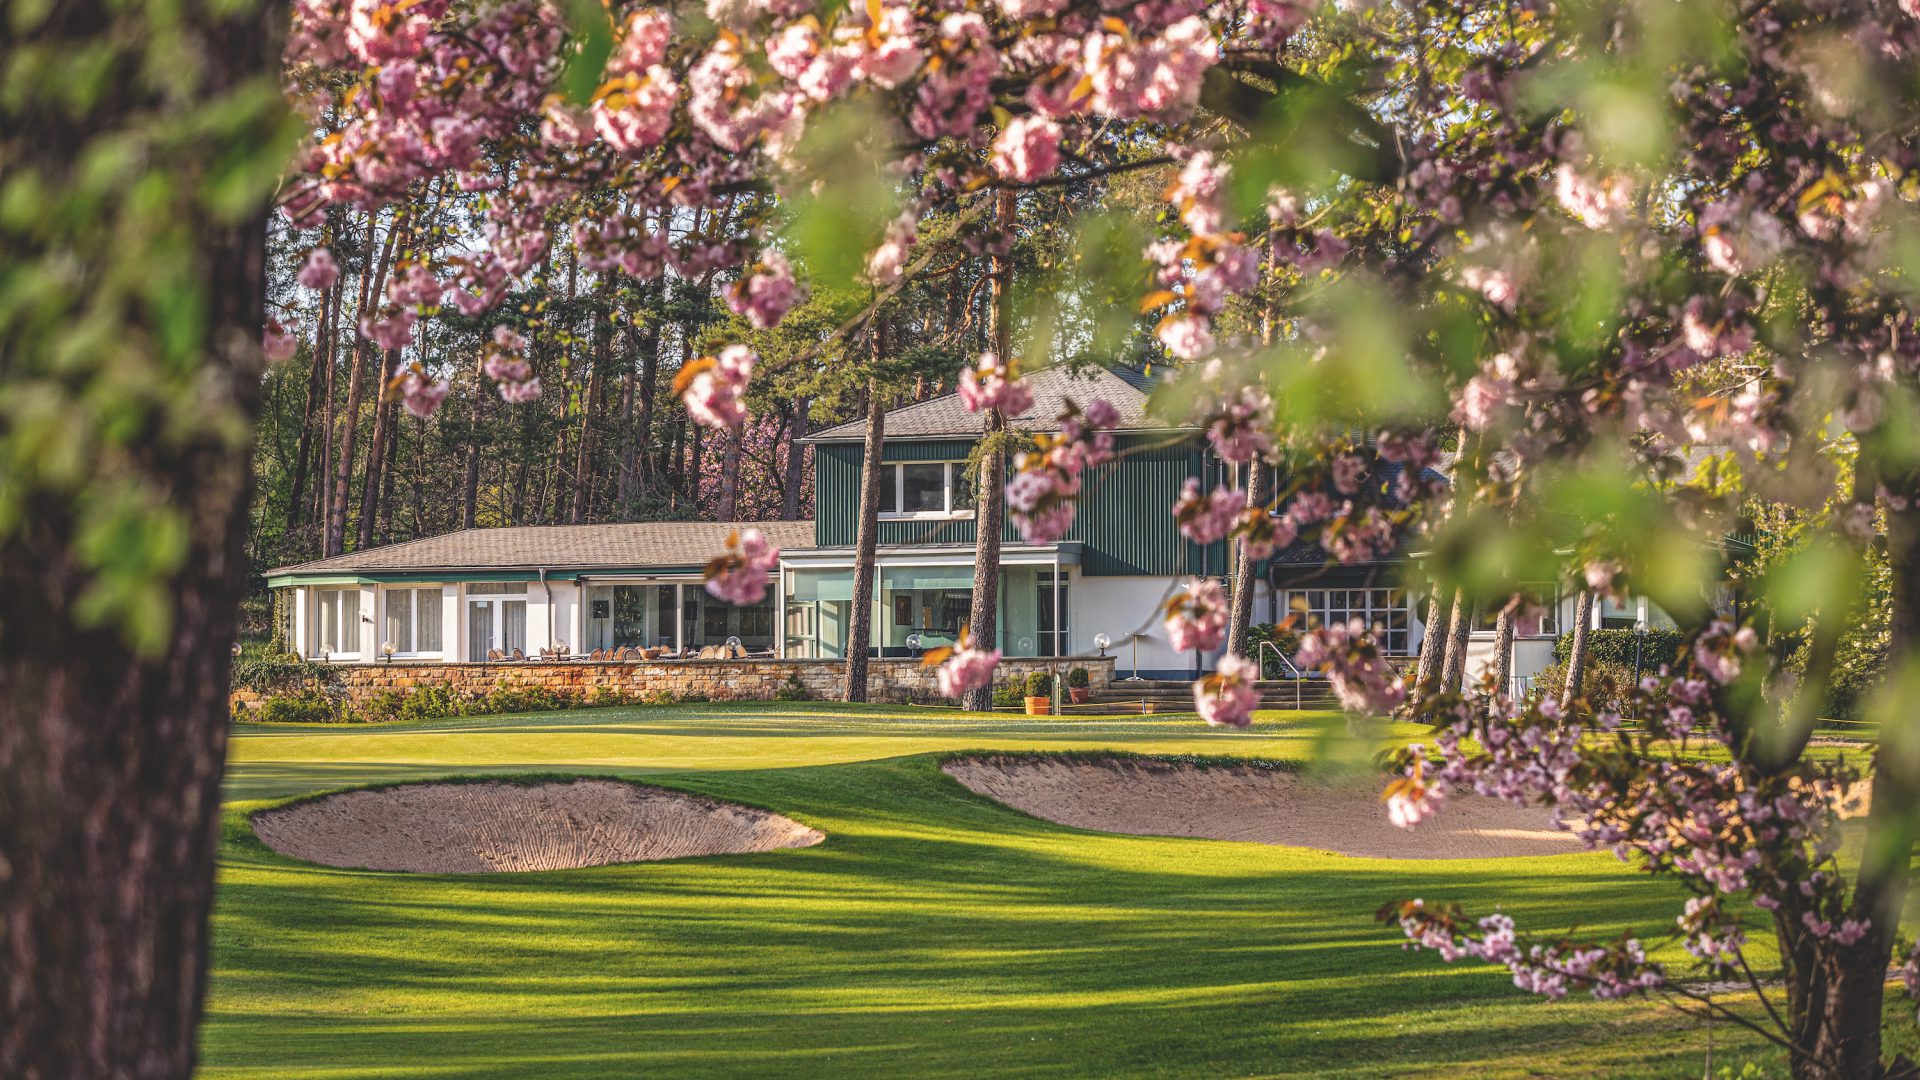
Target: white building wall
1118,606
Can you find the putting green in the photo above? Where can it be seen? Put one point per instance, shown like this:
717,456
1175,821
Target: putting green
934,932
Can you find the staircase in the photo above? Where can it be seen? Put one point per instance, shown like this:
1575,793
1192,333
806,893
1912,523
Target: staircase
1176,695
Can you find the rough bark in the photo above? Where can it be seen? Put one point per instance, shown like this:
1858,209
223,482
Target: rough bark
866,547
1459,629
1577,653
989,502
383,423
796,464
111,757
1240,614
371,286
1502,649
323,349
727,502
470,475
590,417
1433,639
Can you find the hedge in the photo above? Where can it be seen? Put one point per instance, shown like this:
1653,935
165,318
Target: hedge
1617,647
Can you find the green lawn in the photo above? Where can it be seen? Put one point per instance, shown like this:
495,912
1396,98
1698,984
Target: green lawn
935,932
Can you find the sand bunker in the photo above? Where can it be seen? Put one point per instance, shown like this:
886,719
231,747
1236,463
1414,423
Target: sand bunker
478,828
1266,806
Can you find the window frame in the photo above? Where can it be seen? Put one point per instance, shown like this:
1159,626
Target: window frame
414,600
947,512
319,648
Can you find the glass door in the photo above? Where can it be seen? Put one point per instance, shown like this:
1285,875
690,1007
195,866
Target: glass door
495,623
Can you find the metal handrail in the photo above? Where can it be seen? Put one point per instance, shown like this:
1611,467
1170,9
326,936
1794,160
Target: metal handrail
1298,678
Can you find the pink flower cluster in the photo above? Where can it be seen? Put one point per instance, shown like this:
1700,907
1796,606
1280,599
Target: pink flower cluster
766,293
966,669
1207,518
741,574
714,388
505,362
418,392
990,384
1227,697
1197,616
1359,674
1047,479
1027,150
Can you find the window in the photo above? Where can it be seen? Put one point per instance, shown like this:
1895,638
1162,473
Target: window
1619,613
337,621
1383,611
413,621
926,489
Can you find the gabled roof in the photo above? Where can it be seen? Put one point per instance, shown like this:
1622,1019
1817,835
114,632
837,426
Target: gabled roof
944,416
634,546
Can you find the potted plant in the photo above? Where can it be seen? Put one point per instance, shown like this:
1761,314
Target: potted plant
1077,688
1039,694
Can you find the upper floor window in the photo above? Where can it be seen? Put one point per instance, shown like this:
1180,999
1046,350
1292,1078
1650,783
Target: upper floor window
1537,616
926,489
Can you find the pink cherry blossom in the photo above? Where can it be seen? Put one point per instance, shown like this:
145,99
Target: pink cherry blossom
1027,150
765,294
278,344
1207,518
1197,616
714,392
990,385
318,271
420,394
740,576
1227,697
966,669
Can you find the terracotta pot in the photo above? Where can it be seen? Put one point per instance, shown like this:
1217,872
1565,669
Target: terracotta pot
1039,706
1079,694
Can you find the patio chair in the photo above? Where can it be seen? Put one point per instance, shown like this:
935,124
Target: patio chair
494,656
597,655
518,655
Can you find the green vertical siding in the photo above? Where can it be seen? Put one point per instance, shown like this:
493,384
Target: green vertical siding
1124,518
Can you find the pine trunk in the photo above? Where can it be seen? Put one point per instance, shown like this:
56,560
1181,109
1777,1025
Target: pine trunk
1240,615
1577,652
1459,629
372,285
1502,650
602,354
989,501
376,454
866,547
1433,640
316,385
795,465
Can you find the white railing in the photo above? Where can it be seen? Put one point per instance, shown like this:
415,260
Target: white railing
1286,665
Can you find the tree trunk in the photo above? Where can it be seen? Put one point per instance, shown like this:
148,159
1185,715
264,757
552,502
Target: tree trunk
323,343
602,355
376,453
727,505
1503,649
1577,652
1433,641
796,464
1240,615
110,756
388,471
1459,629
371,285
470,478
989,499
866,546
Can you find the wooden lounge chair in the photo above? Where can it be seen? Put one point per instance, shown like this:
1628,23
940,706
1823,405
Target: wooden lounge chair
518,655
494,655
597,655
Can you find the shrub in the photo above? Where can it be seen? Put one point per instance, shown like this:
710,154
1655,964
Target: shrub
266,672
1617,646
695,697
793,689
1039,684
1077,679
606,697
1285,640
1605,685
1006,694
308,708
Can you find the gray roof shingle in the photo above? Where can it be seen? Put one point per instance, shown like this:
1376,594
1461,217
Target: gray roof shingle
1051,387
640,545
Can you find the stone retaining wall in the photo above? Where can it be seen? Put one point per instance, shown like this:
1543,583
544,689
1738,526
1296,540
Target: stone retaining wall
718,680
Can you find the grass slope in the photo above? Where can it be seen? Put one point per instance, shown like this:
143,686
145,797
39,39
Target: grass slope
934,933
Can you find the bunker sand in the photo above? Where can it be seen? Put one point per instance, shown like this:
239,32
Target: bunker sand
1265,806
442,828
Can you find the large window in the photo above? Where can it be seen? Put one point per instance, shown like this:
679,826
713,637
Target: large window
819,604
413,621
337,621
1383,611
496,619
926,489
